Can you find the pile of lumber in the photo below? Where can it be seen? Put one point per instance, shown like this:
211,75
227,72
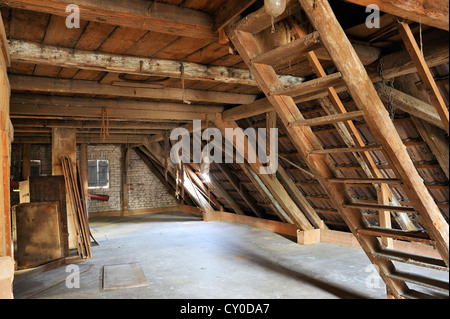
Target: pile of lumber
77,205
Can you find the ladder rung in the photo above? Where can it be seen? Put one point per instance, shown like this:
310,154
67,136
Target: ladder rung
412,259
394,181
377,207
397,234
290,52
310,86
330,119
421,280
347,150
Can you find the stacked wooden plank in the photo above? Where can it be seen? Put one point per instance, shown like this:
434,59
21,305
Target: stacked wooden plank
77,205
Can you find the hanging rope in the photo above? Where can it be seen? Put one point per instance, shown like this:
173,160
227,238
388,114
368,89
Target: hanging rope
104,132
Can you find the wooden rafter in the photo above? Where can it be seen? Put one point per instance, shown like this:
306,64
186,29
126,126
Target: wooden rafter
424,71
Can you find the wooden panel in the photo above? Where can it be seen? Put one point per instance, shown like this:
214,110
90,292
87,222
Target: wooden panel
51,189
37,234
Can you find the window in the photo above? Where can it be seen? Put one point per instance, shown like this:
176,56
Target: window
98,174
35,168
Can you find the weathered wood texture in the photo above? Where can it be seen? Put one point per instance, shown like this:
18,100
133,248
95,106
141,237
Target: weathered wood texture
6,135
139,14
23,51
37,234
51,189
49,85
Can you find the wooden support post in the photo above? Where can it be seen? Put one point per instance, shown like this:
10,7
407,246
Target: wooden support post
26,161
425,73
64,144
125,175
5,137
84,168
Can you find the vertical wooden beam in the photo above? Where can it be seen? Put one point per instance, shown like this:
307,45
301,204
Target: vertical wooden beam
84,168
5,137
26,161
64,143
126,156
425,73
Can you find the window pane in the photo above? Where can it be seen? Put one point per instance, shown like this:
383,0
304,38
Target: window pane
98,174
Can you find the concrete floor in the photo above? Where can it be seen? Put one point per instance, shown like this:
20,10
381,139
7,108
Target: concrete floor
185,258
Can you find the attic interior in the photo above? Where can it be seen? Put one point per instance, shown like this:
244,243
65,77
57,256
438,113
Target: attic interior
93,93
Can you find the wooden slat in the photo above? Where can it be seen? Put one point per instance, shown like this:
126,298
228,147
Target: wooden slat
421,280
425,73
366,180
397,234
413,259
312,86
329,119
291,51
381,207
347,150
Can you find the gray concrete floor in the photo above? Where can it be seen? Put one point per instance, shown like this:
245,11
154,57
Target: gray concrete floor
185,258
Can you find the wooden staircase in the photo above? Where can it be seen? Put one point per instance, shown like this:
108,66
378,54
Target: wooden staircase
329,34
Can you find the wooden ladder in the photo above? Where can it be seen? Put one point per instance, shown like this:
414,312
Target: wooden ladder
329,34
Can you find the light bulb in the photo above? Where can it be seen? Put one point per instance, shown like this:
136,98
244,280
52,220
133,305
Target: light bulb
275,7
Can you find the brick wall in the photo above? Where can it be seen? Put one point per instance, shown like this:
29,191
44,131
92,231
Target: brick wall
145,190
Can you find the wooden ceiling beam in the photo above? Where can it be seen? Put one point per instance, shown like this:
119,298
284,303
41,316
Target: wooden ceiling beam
125,139
115,109
93,124
137,14
430,12
49,85
29,52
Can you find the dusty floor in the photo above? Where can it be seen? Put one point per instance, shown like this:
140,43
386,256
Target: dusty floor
183,257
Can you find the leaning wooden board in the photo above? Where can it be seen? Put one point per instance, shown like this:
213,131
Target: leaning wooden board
36,234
